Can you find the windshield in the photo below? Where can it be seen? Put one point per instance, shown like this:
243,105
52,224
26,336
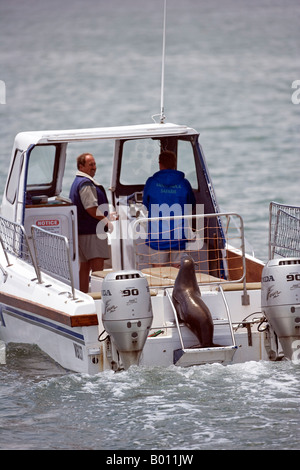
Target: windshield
140,161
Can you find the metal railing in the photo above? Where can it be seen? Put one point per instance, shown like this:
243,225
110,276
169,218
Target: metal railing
50,252
227,322
216,245
52,255
14,241
284,231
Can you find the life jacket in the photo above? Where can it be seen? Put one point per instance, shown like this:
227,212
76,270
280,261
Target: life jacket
86,223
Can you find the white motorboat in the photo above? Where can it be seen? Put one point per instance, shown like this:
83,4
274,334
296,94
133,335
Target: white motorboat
129,316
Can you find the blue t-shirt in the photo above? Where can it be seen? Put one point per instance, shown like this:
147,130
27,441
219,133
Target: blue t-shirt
168,193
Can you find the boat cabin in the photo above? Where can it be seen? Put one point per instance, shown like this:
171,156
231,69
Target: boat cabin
37,188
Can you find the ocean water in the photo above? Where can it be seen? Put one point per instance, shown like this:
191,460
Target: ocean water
240,407
230,66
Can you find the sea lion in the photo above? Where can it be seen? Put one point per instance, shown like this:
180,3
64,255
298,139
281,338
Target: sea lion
189,305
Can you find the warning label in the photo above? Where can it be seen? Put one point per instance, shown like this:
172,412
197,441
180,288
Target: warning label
52,225
47,223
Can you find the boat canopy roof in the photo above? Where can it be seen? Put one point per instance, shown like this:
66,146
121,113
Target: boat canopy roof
24,139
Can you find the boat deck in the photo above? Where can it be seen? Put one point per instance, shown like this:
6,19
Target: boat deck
166,276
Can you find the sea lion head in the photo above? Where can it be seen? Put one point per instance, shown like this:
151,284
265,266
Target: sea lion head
187,260
186,277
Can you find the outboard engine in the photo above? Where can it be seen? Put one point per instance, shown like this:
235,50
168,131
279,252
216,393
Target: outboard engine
127,313
280,300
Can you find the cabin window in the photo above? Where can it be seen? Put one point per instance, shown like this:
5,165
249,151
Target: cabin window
140,160
41,175
186,162
41,163
13,182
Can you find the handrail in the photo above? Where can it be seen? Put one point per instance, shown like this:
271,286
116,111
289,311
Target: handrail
211,244
14,241
229,322
176,318
52,254
284,227
228,314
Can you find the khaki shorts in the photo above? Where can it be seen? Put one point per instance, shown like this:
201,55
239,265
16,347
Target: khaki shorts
164,256
90,247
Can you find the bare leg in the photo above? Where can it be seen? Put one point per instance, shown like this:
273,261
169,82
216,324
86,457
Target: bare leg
84,273
95,264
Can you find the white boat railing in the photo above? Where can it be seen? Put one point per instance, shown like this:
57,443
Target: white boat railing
194,355
208,238
49,254
284,231
228,322
14,241
52,255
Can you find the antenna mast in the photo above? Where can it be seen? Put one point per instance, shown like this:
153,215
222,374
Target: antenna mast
162,110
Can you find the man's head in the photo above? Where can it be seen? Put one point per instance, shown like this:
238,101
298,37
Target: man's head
86,163
167,160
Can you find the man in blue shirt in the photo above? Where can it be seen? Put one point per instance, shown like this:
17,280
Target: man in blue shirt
167,193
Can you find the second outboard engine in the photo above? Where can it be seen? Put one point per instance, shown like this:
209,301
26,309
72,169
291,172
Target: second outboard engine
280,300
127,314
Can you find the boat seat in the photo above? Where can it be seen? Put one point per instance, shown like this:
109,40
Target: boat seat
240,286
166,276
95,295
163,276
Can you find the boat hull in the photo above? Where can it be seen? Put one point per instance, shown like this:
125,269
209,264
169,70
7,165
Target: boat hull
45,315
67,346
71,338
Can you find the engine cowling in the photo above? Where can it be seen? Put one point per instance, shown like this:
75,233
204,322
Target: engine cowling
280,300
127,313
